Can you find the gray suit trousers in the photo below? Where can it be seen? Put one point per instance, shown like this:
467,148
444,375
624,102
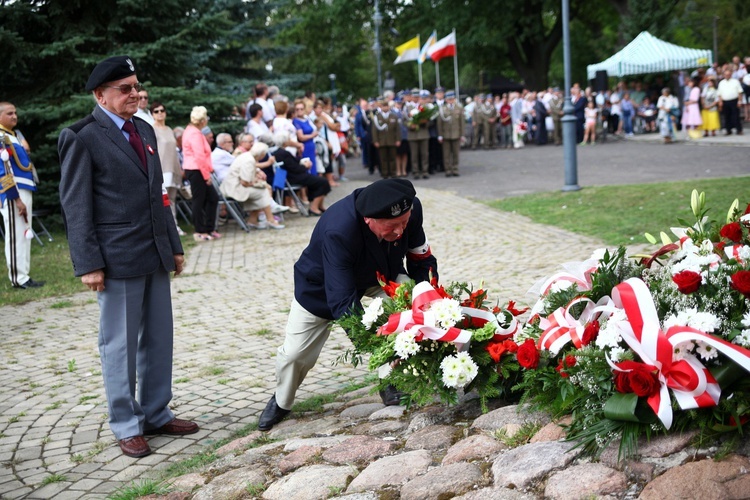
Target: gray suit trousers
135,341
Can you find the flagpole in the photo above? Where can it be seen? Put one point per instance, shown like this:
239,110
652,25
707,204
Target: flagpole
455,65
420,75
437,72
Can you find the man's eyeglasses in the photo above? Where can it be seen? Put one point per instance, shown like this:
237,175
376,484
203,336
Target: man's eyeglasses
299,109
159,111
143,98
127,88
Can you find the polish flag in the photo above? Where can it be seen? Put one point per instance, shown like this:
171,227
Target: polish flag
445,47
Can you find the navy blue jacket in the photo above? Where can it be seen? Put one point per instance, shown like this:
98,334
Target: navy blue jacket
343,256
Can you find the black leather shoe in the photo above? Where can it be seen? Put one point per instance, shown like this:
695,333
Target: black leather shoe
30,284
272,415
391,396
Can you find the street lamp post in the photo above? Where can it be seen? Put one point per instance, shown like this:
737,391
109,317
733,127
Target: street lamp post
568,120
377,20
332,76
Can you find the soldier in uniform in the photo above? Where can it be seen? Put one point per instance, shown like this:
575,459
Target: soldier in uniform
450,125
16,188
484,121
436,149
374,229
386,137
418,135
556,111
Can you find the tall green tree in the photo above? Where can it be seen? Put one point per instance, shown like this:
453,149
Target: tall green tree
187,52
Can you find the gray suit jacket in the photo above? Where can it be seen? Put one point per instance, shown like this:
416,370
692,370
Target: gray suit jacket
115,215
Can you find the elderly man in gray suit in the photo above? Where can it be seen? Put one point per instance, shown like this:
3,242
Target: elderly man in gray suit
123,244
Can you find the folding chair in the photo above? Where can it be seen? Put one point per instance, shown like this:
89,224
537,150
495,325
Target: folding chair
36,217
183,208
234,207
282,187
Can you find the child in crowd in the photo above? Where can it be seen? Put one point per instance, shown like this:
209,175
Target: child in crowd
589,131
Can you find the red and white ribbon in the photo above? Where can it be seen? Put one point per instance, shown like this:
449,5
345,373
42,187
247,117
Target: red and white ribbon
577,273
691,383
420,321
560,327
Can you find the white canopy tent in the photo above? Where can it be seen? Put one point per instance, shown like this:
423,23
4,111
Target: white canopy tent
648,54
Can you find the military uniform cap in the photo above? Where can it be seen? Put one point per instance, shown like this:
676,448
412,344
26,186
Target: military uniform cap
386,199
110,70
439,89
424,93
450,94
415,92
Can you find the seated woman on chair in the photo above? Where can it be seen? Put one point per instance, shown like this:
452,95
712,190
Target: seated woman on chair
298,173
246,183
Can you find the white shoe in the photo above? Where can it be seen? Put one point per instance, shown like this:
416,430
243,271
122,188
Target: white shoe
276,226
279,209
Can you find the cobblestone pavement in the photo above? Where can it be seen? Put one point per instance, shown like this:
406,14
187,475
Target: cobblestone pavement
230,311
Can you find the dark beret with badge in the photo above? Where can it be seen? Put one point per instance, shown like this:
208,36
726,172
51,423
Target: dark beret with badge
386,199
110,70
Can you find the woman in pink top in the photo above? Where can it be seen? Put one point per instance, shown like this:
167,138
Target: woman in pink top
196,163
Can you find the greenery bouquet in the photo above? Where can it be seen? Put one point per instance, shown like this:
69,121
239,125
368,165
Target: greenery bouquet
421,115
634,348
428,341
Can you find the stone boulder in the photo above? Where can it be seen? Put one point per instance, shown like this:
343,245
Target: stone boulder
433,437
443,482
523,466
391,471
585,481
232,484
358,449
310,483
479,446
705,479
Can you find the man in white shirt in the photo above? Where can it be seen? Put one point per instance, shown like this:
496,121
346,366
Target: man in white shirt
143,111
730,91
221,156
256,125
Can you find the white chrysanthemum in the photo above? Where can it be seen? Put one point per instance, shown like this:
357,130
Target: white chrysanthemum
609,336
681,350
372,312
706,351
743,339
458,370
616,354
405,345
447,312
746,317
745,219
703,321
686,265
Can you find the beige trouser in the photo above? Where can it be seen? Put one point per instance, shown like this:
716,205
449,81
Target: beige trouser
451,148
306,334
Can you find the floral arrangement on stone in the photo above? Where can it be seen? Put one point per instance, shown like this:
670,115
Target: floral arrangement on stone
432,341
421,115
631,348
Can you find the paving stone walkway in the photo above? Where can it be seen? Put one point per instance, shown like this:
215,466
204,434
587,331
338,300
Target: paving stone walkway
230,311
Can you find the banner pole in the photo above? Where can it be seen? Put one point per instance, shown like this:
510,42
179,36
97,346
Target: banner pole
455,66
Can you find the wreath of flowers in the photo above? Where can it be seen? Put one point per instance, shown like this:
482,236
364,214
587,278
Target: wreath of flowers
630,348
431,341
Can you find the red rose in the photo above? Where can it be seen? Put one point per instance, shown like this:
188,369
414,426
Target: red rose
732,231
528,355
719,247
590,333
622,382
564,363
643,381
510,345
741,282
687,281
515,311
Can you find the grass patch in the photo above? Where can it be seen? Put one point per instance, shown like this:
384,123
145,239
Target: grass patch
520,437
63,304
255,489
53,406
54,478
619,215
139,489
212,370
181,380
83,399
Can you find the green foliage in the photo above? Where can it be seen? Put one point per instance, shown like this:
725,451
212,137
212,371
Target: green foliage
139,489
188,52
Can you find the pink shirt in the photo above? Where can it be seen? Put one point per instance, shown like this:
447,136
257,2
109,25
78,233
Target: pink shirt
196,153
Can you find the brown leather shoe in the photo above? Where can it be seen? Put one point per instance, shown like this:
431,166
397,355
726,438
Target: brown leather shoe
176,427
135,446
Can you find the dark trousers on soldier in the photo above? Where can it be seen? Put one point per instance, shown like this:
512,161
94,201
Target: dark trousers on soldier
364,145
451,148
387,161
419,157
373,159
436,155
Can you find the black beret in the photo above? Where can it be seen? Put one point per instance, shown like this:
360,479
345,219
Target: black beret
110,70
386,199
